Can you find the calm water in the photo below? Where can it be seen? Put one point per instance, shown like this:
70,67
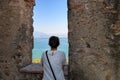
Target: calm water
41,45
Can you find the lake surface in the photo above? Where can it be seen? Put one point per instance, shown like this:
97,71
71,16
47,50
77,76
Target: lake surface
41,45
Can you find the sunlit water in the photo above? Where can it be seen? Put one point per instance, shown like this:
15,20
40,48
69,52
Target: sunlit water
41,45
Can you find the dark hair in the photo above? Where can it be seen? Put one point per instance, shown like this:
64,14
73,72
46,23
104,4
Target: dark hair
54,41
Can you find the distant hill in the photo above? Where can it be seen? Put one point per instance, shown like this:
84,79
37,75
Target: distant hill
44,35
40,35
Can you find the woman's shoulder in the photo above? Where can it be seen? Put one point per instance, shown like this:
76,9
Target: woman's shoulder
43,53
46,51
61,52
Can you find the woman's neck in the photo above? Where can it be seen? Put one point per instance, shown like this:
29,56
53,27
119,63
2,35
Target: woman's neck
53,49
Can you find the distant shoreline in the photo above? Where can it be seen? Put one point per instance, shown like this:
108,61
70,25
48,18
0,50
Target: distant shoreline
41,45
39,61
48,37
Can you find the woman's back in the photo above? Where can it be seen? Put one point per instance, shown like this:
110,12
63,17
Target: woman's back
57,60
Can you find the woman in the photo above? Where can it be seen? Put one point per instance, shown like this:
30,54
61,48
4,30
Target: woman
57,60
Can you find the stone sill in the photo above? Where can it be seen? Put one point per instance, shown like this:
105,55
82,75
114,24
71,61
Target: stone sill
36,68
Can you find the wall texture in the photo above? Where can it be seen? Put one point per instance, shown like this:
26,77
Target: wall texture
94,39
16,37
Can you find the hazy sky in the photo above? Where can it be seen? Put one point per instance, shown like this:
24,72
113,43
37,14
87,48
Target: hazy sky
50,16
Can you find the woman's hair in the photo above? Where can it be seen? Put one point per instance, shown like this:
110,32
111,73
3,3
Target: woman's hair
54,41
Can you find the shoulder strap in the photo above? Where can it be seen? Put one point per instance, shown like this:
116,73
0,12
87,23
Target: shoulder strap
50,66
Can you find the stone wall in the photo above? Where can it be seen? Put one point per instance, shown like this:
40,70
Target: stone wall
16,39
94,39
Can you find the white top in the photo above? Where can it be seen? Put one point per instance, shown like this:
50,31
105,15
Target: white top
57,60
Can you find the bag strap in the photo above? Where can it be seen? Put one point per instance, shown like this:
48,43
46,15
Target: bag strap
50,66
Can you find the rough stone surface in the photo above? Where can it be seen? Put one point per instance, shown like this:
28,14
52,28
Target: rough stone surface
16,37
94,39
36,69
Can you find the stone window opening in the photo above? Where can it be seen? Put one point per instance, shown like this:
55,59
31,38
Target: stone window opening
42,23
41,38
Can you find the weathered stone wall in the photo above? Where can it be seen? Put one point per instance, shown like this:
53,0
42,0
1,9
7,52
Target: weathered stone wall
94,39
16,37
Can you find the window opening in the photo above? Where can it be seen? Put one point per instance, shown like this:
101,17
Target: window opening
50,18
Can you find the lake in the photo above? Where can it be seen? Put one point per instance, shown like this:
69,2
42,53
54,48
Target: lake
41,45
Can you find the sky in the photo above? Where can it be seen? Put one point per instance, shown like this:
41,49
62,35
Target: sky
50,16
